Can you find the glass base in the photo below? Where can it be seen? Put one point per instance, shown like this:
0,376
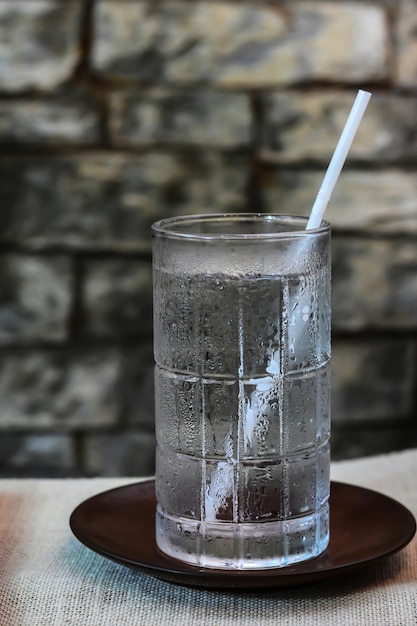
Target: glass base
224,545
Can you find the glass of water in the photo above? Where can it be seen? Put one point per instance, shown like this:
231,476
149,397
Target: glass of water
242,398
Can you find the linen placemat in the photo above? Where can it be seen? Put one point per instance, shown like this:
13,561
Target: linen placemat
47,578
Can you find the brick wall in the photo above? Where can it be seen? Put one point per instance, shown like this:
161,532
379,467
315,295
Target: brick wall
114,113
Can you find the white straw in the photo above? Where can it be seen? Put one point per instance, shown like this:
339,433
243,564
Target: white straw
338,159
221,486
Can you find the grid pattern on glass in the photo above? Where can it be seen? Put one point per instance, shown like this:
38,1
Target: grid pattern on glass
242,402
238,415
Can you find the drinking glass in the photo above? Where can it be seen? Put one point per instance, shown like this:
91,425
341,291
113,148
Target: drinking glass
242,389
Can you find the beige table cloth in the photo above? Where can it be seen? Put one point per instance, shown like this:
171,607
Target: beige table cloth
48,578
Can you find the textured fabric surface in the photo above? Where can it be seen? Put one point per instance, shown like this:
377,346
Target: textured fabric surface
48,578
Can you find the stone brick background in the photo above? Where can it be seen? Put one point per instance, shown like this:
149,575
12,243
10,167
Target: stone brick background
114,113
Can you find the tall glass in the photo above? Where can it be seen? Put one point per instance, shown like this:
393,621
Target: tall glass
242,352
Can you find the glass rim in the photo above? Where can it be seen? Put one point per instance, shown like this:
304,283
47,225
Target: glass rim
165,227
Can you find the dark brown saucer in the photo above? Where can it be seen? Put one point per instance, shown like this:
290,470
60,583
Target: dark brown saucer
365,526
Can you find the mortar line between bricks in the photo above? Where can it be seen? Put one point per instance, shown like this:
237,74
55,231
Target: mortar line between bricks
74,323
81,71
414,365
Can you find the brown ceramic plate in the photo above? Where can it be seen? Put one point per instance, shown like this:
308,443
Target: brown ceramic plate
365,526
